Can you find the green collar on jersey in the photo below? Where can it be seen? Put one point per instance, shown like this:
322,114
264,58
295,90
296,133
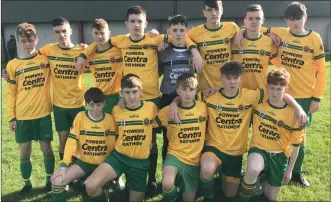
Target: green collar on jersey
135,109
28,57
194,103
103,117
296,35
110,46
213,30
137,41
67,48
275,107
228,97
253,39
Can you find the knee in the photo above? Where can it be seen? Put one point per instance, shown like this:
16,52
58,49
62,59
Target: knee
91,186
58,181
207,172
253,172
167,184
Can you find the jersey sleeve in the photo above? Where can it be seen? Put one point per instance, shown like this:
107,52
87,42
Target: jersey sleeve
43,50
274,52
11,92
259,96
71,144
88,51
274,30
163,116
155,112
320,67
297,134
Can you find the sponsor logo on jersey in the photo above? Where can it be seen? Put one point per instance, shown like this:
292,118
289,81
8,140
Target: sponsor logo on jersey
306,48
262,52
146,121
107,132
226,40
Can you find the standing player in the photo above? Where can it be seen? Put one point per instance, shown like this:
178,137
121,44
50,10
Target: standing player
274,131
29,103
131,152
67,82
186,140
302,54
92,138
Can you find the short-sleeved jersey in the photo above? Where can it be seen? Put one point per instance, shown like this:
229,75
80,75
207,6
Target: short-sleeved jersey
254,56
106,67
274,128
229,118
135,129
91,141
215,49
186,138
28,88
68,86
303,57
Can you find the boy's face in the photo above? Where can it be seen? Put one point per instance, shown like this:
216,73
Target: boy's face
231,83
100,36
212,14
177,32
136,24
131,95
62,33
253,21
95,108
275,92
186,94
296,25
27,44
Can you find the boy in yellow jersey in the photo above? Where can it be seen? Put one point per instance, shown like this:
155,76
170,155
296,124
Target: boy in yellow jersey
139,53
186,140
106,64
92,138
274,131
68,87
29,103
302,54
256,51
131,153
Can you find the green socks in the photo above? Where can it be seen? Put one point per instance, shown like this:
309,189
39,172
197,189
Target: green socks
26,169
49,163
58,193
100,196
245,191
171,195
298,163
207,187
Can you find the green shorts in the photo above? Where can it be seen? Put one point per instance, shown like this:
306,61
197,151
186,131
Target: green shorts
275,165
230,165
187,177
110,102
305,104
156,101
135,170
86,167
64,117
35,129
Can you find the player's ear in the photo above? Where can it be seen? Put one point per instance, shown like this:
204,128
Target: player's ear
168,31
146,23
262,21
126,24
305,18
37,40
109,33
70,31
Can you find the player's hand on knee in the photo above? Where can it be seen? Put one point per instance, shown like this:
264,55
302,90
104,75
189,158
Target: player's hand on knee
208,92
275,39
287,176
162,47
58,176
300,116
153,33
238,39
12,126
314,106
121,103
80,64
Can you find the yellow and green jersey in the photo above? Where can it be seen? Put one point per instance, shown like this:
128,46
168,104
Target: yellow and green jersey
186,138
255,55
106,67
229,118
303,57
215,49
274,128
135,129
91,141
28,89
68,86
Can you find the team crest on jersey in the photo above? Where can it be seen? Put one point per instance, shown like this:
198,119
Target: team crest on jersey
112,60
321,48
262,52
284,44
306,48
107,132
200,119
145,47
146,121
280,123
42,65
226,40
241,52
240,108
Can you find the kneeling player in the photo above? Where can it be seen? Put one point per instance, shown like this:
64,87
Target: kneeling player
186,140
132,146
273,133
91,139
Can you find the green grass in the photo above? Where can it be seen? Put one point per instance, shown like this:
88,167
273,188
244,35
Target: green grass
317,161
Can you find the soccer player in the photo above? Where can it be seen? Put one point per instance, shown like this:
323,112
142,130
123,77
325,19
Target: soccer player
302,54
131,153
186,140
67,82
92,138
106,64
256,51
29,103
274,131
173,62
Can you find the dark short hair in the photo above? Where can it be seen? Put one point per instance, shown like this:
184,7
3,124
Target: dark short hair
295,10
131,81
187,80
59,21
26,30
177,19
94,95
232,68
135,10
99,23
278,77
253,8
213,4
